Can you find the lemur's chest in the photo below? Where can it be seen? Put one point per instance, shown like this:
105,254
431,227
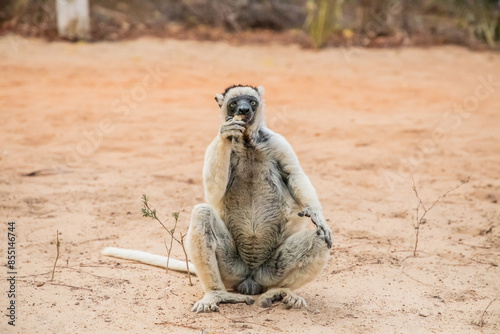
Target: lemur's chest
256,204
254,172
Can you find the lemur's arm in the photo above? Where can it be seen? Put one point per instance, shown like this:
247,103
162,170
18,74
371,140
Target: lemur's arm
300,186
298,183
217,162
216,170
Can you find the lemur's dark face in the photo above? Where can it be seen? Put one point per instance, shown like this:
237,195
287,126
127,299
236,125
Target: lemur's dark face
242,105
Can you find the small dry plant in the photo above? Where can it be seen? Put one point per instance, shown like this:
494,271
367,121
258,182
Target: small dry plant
482,321
58,245
151,213
421,211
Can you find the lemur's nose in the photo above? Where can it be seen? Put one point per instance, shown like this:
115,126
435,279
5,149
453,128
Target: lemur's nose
243,110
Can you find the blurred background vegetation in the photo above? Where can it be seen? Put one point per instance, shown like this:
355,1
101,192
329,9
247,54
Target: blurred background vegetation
310,23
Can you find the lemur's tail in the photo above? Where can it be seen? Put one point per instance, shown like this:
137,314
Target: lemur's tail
148,258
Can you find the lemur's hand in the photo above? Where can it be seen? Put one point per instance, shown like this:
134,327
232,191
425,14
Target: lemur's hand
232,129
322,229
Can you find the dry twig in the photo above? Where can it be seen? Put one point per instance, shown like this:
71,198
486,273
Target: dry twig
186,257
267,309
413,278
44,172
58,244
151,213
356,245
420,220
239,320
98,276
481,321
176,217
355,266
58,284
179,325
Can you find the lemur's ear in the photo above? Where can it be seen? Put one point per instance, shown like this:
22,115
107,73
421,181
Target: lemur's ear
261,91
220,99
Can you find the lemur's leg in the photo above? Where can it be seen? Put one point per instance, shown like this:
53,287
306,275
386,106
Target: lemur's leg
212,251
296,262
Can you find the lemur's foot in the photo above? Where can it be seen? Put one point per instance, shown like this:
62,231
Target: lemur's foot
270,296
212,299
290,298
293,300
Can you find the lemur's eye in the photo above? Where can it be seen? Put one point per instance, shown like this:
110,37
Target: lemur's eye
232,105
253,103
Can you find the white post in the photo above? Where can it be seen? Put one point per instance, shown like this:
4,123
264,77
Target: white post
73,20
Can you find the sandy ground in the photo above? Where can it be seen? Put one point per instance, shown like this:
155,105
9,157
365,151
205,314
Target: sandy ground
108,122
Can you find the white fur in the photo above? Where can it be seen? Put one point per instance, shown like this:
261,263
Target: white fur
148,258
215,170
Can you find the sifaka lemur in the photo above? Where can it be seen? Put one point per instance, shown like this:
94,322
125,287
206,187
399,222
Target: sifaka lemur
252,234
